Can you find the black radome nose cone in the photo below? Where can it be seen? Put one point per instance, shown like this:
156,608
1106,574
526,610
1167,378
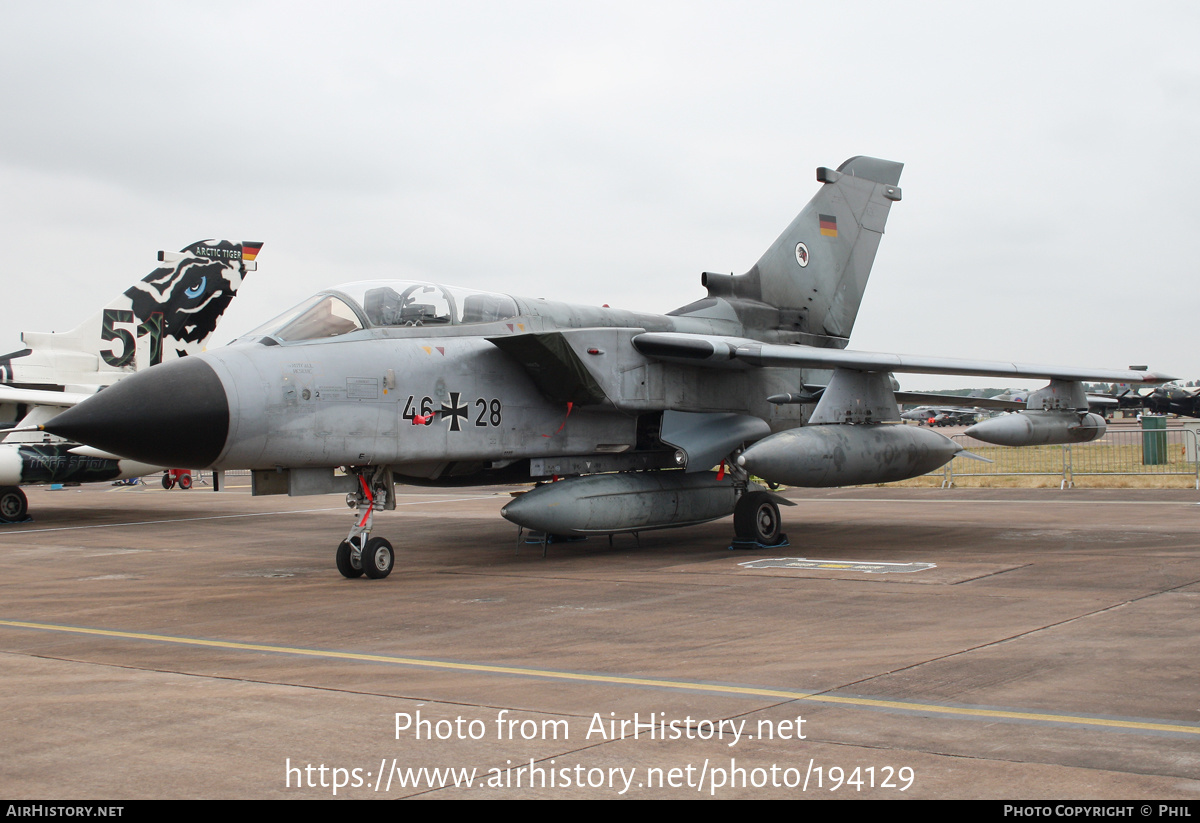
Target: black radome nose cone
174,415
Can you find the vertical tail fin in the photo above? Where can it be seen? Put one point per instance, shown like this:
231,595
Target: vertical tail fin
192,291
816,272
170,313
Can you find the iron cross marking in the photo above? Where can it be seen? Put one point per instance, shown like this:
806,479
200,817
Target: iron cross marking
454,411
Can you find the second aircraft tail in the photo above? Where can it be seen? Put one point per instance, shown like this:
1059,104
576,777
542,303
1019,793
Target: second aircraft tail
170,313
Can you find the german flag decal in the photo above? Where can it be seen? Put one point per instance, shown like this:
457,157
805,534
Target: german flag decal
828,225
250,250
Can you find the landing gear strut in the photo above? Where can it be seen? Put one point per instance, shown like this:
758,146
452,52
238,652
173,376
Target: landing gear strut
360,553
756,520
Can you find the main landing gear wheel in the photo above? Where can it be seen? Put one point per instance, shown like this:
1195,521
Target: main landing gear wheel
378,558
14,506
756,517
349,565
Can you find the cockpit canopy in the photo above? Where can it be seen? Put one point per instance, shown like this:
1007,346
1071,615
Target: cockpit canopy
380,304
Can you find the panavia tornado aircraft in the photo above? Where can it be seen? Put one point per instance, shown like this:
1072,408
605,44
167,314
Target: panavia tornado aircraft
425,383
171,313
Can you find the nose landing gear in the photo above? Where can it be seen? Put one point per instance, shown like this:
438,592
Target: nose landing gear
360,553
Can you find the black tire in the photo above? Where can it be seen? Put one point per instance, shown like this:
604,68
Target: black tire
14,506
756,517
167,481
345,561
185,481
378,558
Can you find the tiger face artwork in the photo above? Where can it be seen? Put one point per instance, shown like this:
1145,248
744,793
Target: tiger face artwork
189,296
170,313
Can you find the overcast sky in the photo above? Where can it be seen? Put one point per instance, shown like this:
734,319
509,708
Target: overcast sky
610,152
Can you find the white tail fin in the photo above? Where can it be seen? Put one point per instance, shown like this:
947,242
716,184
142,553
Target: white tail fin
170,313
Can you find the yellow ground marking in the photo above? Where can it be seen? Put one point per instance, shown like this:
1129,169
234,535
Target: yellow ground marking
617,680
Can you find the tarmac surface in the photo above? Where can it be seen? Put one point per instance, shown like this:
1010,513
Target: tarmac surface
176,644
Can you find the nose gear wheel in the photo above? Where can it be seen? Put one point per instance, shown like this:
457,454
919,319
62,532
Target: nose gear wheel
360,554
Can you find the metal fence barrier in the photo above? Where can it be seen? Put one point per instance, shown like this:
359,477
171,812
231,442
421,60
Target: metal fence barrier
1131,452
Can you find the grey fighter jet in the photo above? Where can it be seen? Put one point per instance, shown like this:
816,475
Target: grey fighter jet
412,382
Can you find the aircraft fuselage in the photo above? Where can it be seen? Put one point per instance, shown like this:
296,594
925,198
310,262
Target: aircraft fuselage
417,398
